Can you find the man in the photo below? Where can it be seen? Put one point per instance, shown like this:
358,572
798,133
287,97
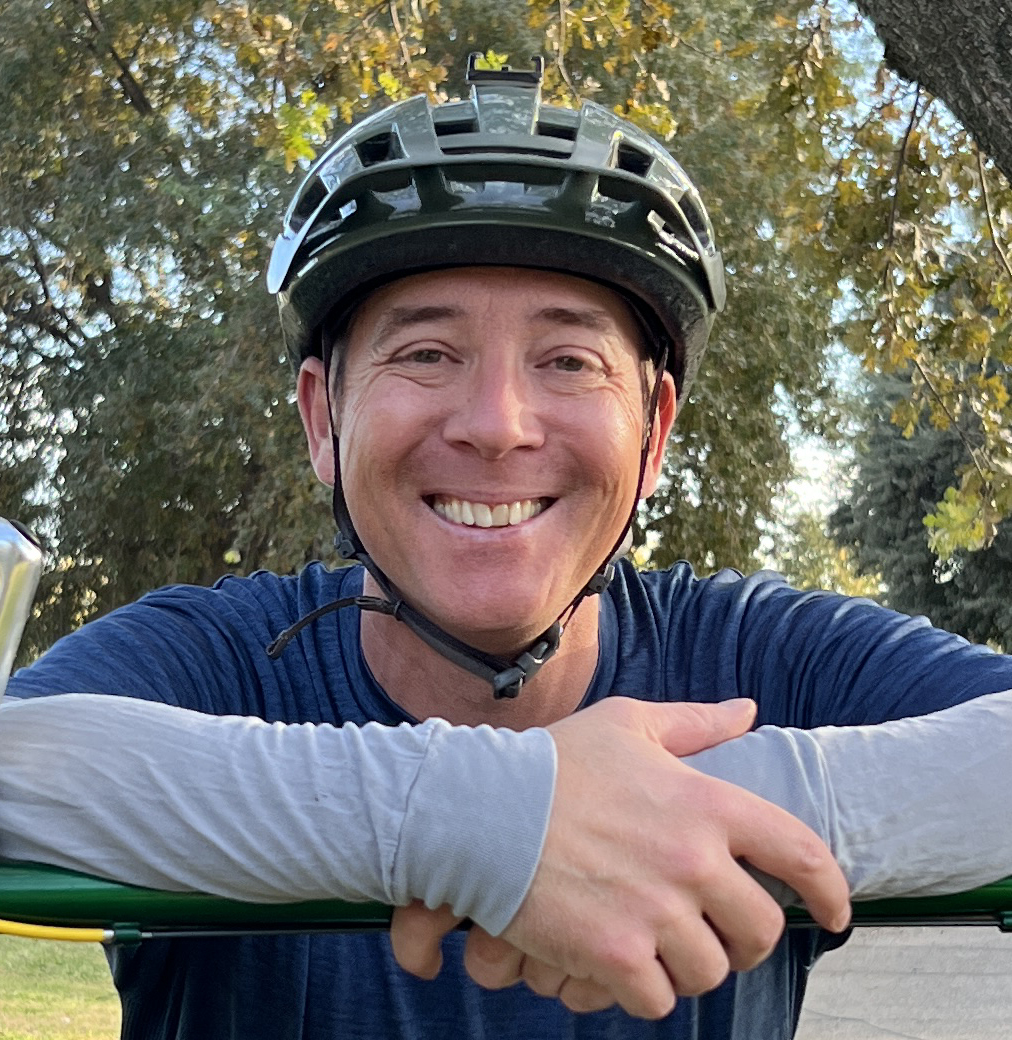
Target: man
497,308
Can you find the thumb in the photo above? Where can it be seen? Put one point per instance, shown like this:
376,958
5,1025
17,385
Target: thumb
684,729
416,933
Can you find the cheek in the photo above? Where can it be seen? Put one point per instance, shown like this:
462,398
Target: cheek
380,429
628,423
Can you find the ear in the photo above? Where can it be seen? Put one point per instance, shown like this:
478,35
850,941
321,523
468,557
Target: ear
313,407
664,419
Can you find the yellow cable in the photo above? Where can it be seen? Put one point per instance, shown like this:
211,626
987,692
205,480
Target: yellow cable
44,931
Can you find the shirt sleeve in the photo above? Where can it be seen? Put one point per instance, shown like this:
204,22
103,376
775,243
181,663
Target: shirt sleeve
164,797
917,806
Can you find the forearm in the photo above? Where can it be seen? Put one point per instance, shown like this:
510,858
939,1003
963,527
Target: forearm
159,796
919,806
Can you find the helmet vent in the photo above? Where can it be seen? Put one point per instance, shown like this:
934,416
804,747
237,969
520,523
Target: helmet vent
695,218
307,203
451,128
381,147
632,159
564,133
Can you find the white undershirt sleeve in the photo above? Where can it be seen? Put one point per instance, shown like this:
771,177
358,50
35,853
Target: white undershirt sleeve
919,806
159,796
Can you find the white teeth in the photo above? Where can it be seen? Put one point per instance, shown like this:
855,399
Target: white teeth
479,514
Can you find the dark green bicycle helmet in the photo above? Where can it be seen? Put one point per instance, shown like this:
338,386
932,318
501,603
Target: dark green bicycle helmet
500,179
497,180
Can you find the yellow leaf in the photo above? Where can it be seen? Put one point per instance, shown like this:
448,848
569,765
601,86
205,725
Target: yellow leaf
491,60
718,46
783,23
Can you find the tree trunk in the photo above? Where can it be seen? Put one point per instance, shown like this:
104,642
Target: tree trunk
961,51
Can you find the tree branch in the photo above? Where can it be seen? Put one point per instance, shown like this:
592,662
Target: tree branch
131,88
402,43
990,218
897,177
560,61
851,141
49,304
986,486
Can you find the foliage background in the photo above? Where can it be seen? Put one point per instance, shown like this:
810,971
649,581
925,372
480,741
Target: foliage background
146,423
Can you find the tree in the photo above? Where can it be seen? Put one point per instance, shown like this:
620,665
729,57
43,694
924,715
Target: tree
896,479
962,54
811,560
146,423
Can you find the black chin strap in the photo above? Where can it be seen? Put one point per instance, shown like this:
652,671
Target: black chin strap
506,676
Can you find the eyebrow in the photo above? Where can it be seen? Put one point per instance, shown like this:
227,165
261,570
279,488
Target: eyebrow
586,318
398,318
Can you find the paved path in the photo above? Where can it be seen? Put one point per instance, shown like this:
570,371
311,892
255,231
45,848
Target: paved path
913,984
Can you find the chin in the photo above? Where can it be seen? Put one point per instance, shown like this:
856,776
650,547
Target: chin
500,633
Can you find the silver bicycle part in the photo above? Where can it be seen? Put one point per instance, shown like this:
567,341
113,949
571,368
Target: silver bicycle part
20,569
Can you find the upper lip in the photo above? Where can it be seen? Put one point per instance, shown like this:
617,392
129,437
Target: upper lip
489,498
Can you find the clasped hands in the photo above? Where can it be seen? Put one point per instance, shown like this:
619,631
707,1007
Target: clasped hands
640,896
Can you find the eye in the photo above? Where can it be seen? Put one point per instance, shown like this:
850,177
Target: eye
423,356
568,363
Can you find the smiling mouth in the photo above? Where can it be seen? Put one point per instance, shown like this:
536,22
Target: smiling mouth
481,514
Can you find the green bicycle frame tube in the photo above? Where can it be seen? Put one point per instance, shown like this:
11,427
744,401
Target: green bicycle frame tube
42,895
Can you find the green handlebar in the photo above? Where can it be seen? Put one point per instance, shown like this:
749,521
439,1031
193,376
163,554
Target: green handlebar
41,895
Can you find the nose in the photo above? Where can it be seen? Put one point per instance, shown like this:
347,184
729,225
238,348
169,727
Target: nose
496,414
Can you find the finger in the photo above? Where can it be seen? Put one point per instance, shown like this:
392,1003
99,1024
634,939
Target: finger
694,956
746,919
542,978
638,981
491,962
780,845
684,729
416,934
585,995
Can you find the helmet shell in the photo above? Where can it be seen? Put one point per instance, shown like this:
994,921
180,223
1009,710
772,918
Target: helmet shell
500,180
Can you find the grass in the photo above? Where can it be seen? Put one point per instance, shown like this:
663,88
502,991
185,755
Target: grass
55,991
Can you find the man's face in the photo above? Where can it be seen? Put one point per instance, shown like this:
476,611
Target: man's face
490,424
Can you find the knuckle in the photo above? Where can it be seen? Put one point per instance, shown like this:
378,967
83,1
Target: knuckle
707,974
768,932
622,958
489,962
759,931
542,979
755,944
812,856
695,866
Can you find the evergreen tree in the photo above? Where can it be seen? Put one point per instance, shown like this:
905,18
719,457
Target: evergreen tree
896,479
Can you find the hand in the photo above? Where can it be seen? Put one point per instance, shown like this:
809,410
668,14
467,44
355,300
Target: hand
638,896
416,933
